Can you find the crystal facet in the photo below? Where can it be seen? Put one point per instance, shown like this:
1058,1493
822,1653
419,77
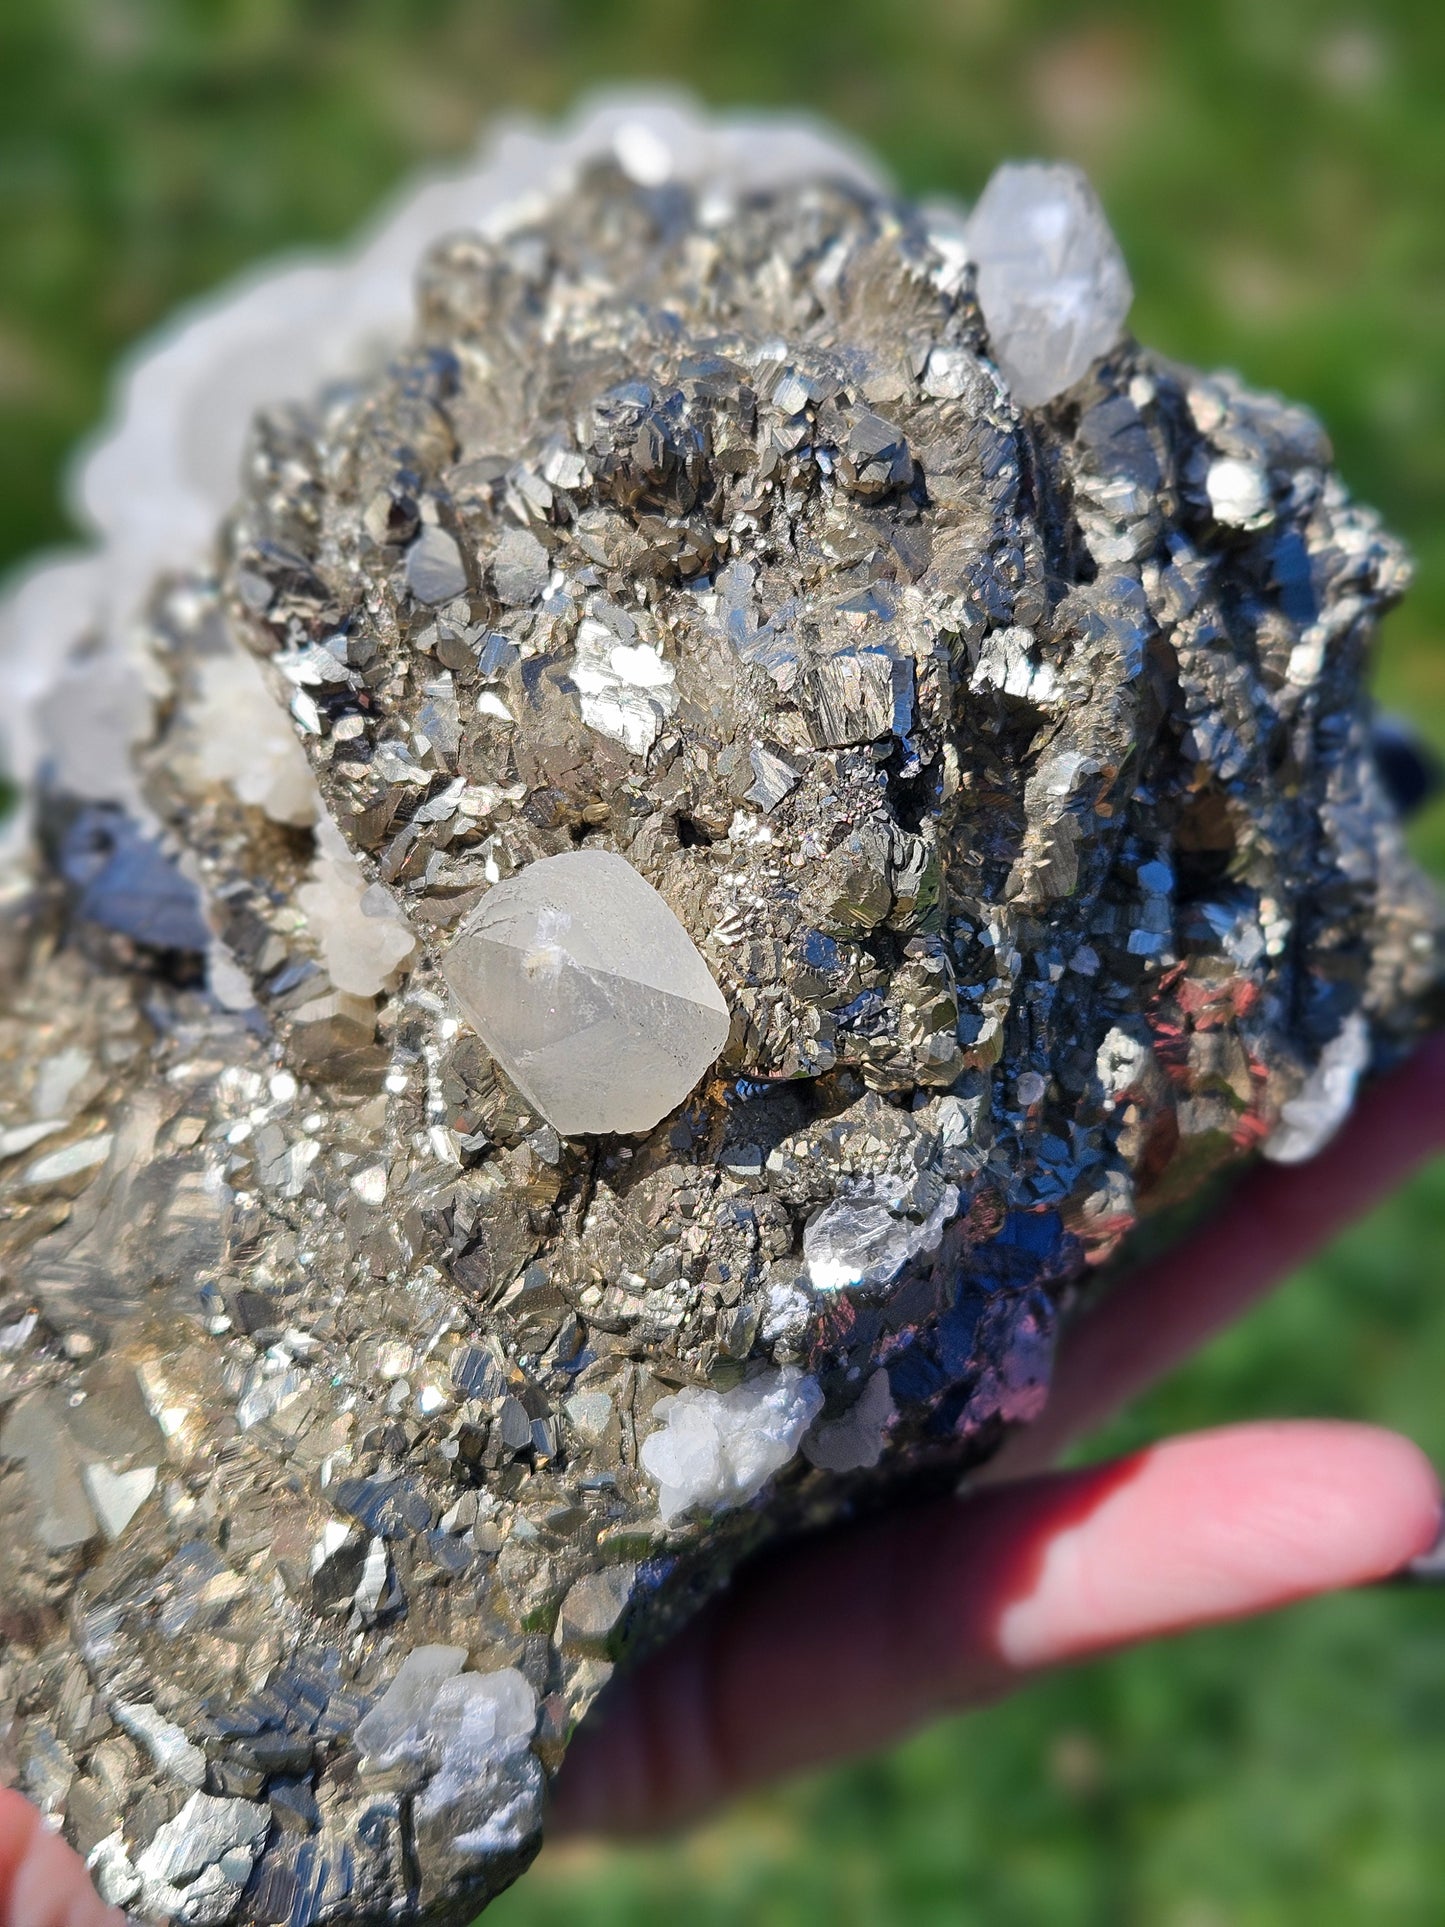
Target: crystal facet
589,993
1051,281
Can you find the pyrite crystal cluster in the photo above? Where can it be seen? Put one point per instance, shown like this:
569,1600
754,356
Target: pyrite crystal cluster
834,782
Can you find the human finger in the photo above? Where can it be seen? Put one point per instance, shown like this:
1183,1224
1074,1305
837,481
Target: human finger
839,1644
43,1882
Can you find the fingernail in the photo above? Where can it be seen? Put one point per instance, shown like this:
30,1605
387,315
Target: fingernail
1427,1568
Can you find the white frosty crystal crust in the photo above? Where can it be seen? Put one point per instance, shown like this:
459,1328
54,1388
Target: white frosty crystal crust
861,1242
721,1448
364,938
1051,280
1309,1119
242,737
589,993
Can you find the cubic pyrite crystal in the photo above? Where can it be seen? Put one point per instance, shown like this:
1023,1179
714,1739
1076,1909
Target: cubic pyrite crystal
834,783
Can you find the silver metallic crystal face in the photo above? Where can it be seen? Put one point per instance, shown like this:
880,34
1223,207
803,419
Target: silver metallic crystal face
834,783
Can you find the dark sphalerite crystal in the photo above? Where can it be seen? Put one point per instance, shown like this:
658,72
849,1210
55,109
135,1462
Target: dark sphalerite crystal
1007,771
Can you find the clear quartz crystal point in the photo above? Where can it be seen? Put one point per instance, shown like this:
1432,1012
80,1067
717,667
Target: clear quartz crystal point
589,993
1052,282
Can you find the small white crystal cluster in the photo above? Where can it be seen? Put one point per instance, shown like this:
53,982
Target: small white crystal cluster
462,1729
363,937
863,1243
719,1449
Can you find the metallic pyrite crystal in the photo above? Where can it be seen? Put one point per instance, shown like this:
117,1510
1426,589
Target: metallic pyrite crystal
800,846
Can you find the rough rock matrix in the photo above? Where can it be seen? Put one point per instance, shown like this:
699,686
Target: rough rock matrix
799,847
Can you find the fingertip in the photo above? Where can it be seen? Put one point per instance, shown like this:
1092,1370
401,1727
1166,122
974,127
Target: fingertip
1380,1495
1222,1524
43,1882
1325,1502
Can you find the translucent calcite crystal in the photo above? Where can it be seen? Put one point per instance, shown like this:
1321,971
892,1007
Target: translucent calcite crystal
1052,283
603,934
589,993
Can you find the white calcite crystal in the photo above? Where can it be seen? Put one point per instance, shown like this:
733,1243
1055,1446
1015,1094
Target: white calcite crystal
1238,493
364,938
1309,1119
721,1448
432,1705
482,1723
589,993
396,1728
246,741
863,1243
1051,280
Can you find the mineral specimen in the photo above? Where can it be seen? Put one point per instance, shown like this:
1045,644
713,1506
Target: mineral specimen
589,988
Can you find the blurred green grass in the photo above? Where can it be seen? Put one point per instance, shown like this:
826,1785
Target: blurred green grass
1275,170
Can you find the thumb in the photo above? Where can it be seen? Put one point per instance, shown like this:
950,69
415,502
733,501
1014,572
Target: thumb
43,1882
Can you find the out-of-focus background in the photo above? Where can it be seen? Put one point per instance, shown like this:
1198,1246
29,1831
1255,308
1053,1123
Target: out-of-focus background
1276,172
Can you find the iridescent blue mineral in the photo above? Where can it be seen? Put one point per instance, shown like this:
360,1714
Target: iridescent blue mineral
715,832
